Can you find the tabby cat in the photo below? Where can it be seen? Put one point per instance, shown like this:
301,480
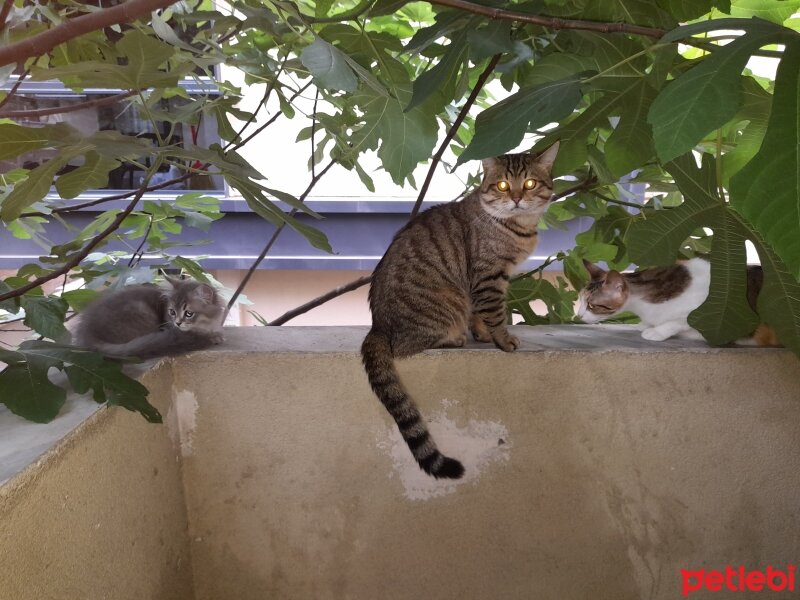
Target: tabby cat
146,321
662,297
447,270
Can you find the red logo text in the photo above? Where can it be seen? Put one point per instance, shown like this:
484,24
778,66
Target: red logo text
738,580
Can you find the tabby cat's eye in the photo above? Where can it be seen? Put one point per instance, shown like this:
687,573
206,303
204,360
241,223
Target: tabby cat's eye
188,314
530,184
503,186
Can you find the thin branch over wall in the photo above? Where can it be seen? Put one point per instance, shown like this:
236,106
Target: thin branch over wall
41,43
78,256
57,110
487,72
550,22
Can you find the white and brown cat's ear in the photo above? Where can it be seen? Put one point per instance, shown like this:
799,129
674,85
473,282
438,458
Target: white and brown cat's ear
615,281
595,272
548,157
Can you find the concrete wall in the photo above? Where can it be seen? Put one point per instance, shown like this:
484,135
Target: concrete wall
101,516
616,469
598,466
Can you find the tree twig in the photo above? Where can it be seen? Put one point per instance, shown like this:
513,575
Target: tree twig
550,22
334,293
57,110
272,240
14,89
4,13
487,72
275,116
47,40
79,256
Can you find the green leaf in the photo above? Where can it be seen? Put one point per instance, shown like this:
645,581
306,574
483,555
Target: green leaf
33,189
686,10
45,315
79,299
755,111
704,98
260,204
631,144
145,55
328,66
778,304
16,139
776,11
501,128
404,138
755,25
657,239
92,174
442,76
193,268
8,305
27,392
767,190
725,315
91,371
487,41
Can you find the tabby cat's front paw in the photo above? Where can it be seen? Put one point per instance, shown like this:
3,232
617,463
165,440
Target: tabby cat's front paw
217,338
506,342
481,336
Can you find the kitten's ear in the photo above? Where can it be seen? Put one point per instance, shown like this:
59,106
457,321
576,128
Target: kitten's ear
175,281
595,272
205,293
548,157
615,281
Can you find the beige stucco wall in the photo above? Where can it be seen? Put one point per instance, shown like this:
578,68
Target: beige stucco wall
598,466
617,468
101,516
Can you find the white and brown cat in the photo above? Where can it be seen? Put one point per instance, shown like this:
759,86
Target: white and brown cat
662,297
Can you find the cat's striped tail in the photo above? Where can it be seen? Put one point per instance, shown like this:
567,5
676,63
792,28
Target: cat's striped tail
378,360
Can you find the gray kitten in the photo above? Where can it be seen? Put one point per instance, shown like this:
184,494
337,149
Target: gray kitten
146,321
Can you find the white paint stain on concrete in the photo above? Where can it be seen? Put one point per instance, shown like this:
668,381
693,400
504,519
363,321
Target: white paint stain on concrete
182,420
477,445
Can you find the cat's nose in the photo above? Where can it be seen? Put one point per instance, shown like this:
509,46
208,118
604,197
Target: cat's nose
516,199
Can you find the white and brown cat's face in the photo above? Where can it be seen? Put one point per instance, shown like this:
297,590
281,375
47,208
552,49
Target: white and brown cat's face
604,295
194,306
518,185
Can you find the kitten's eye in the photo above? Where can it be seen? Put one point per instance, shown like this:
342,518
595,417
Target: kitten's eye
188,314
530,184
590,306
171,312
503,186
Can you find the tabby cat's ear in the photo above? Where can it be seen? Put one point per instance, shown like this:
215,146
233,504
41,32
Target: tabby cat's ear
595,272
489,164
548,157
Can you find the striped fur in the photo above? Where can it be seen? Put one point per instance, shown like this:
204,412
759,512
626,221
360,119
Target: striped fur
445,272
